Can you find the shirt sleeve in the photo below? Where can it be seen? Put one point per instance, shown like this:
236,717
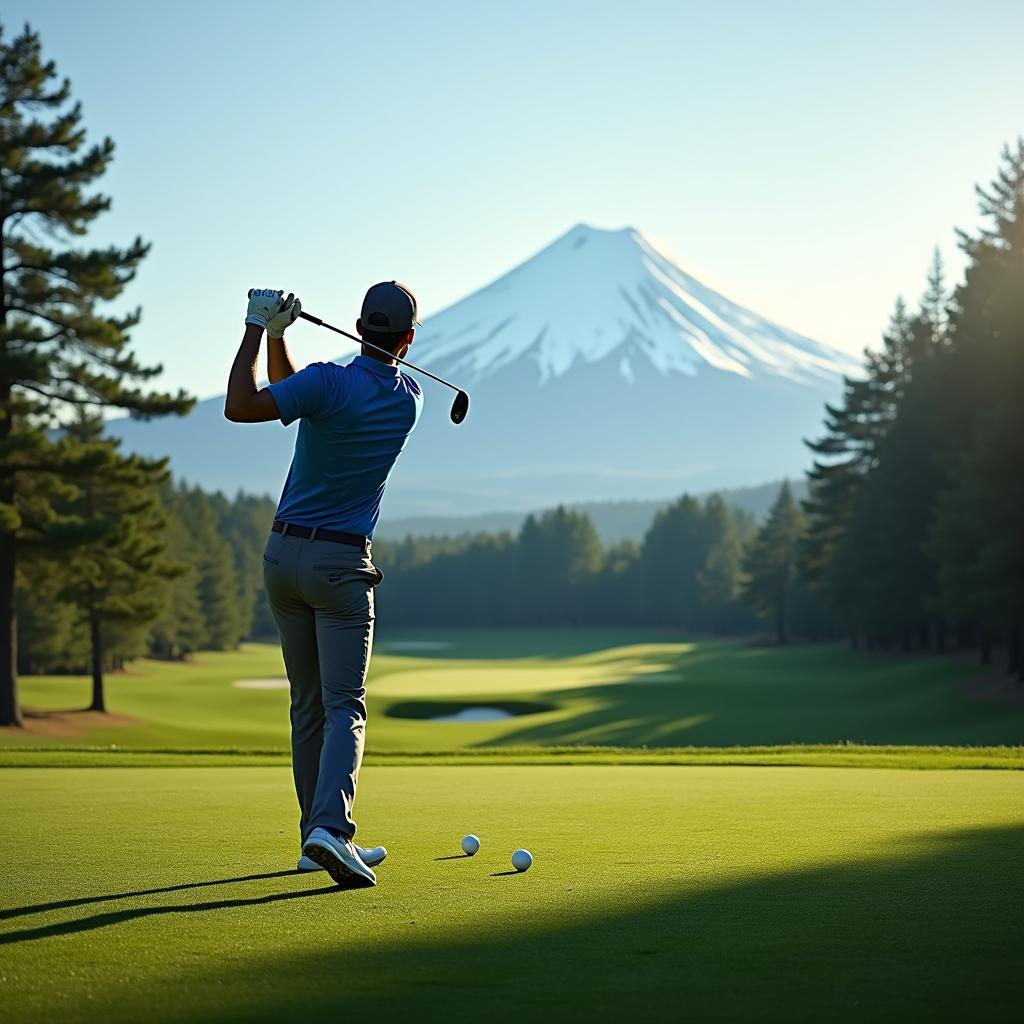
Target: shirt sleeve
303,394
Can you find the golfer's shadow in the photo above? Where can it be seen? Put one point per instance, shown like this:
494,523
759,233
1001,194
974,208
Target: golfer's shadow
88,924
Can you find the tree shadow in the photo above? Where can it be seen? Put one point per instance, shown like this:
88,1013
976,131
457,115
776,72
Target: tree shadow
39,908
930,932
723,694
502,645
105,920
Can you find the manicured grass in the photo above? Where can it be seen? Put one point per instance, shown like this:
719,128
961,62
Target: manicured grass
604,689
658,893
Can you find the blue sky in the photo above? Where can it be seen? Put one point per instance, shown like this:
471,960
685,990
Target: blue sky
802,157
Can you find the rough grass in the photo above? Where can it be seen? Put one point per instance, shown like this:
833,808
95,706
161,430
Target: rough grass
658,893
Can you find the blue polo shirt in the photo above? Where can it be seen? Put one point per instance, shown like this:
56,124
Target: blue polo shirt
354,422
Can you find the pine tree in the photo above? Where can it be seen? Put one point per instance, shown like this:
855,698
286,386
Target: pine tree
771,563
848,453
115,562
213,567
675,551
57,351
558,554
977,536
51,634
179,630
720,578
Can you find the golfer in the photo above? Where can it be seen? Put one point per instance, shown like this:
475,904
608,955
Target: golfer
354,421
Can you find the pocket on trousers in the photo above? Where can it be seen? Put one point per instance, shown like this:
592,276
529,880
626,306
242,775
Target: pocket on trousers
342,573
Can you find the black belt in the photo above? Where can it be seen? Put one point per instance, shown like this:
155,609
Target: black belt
320,533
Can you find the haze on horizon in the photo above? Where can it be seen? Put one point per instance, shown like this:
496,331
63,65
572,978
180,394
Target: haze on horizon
803,161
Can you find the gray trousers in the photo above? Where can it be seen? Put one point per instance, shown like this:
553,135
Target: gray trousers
321,594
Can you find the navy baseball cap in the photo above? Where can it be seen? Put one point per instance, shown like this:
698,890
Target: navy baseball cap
389,307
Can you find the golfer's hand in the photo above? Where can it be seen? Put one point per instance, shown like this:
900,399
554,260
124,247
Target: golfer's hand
285,317
263,304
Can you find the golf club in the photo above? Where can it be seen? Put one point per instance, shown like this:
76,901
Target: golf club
461,404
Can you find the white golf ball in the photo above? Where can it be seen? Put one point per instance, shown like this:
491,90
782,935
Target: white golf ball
470,845
521,860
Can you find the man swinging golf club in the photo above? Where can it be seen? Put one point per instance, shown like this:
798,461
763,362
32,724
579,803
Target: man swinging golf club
354,421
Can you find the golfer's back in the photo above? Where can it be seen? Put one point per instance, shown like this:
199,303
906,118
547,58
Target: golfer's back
354,422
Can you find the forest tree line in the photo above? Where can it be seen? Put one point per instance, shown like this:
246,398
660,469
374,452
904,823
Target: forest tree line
703,567
915,513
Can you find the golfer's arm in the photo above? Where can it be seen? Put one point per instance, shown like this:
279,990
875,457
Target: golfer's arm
243,403
279,360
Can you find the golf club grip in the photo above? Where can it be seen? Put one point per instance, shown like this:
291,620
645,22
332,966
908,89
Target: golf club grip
312,319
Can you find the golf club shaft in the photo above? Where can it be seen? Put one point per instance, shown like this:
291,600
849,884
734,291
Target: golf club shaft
376,348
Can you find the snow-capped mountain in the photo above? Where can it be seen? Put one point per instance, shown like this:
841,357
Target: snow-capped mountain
594,294
598,369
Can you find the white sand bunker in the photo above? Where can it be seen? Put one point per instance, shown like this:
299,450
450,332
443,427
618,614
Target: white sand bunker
261,684
475,715
416,645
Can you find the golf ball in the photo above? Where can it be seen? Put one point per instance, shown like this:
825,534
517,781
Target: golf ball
470,844
521,860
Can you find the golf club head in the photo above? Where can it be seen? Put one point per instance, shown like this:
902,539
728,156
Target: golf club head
460,407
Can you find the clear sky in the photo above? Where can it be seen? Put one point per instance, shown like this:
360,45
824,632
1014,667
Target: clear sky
803,157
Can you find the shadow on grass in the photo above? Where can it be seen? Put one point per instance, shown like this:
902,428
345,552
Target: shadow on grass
932,932
497,644
81,901
112,917
721,694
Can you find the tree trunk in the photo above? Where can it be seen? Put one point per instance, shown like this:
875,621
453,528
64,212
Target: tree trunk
10,712
780,625
96,640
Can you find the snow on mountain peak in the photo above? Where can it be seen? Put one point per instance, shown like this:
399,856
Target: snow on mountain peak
593,294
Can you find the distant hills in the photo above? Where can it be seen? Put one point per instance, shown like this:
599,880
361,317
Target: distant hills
615,520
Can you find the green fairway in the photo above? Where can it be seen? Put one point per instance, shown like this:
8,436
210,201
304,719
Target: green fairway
586,687
686,893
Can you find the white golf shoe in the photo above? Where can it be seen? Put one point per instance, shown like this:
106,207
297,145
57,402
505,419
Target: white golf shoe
338,857
371,857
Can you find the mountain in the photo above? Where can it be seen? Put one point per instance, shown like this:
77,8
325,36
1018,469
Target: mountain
599,370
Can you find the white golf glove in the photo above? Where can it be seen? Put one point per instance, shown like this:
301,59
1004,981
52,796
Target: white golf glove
263,304
285,317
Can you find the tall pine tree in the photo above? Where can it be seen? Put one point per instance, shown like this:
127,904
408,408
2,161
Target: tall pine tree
57,350
977,537
771,563
116,564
